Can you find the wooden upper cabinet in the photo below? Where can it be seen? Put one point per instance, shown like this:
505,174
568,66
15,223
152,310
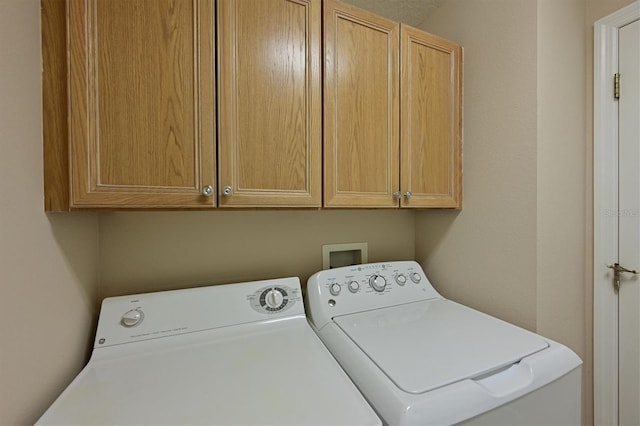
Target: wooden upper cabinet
361,108
269,146
141,102
392,113
430,120
129,106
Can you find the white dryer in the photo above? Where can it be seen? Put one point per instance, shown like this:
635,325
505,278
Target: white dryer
228,354
421,359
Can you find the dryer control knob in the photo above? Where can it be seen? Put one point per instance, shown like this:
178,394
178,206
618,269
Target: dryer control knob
132,318
377,282
415,277
354,286
274,298
401,279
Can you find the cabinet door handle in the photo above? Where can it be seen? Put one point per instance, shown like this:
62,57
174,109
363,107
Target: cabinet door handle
207,191
408,195
397,195
227,190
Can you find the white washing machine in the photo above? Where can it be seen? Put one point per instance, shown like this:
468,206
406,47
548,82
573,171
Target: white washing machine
421,359
229,354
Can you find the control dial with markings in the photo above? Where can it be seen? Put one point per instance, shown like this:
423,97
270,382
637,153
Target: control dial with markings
377,282
415,277
354,286
401,279
335,289
132,318
274,299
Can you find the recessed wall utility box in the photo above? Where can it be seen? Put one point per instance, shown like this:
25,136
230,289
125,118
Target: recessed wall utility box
337,255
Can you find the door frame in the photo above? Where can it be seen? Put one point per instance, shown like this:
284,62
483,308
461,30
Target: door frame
605,213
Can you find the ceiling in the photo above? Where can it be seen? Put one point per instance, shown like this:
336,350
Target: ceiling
411,12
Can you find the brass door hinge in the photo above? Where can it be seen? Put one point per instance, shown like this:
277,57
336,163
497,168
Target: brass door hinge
616,85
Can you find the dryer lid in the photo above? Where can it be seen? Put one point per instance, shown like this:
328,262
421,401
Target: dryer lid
258,373
428,344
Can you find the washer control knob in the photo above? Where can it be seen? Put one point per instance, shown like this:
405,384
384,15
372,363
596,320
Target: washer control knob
335,289
377,282
401,279
354,286
132,318
415,277
274,298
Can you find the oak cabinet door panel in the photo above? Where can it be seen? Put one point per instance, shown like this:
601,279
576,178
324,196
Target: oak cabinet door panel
141,103
270,103
431,122
361,139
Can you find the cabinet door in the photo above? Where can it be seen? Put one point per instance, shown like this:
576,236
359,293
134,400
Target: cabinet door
141,102
431,120
361,136
270,103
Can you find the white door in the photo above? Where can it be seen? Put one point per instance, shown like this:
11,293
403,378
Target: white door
629,224
616,334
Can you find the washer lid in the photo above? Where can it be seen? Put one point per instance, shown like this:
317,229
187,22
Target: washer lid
428,344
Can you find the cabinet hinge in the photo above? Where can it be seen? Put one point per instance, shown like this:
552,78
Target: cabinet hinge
616,85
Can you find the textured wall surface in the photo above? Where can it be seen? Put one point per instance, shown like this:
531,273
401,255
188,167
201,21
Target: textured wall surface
485,255
411,12
48,263
150,251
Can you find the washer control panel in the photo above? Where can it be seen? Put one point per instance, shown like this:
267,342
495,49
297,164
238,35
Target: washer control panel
356,288
381,278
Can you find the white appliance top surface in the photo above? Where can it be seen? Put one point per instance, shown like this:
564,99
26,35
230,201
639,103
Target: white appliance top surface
428,344
228,354
275,373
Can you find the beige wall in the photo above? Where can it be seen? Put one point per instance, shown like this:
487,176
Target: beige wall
149,251
48,264
555,296
485,255
562,311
